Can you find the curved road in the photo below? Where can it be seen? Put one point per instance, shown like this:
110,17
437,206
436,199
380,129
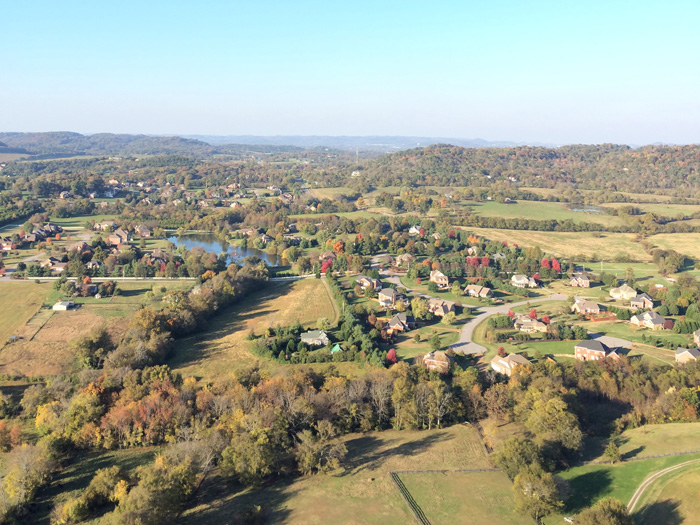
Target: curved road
465,345
650,480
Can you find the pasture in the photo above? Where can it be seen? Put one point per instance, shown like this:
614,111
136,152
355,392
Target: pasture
672,499
223,347
362,492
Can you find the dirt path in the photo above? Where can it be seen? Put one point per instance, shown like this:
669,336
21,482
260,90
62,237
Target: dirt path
650,481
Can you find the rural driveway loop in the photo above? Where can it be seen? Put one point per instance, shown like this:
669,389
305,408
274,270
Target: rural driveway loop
650,480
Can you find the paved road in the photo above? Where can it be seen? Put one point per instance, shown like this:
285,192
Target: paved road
465,345
650,480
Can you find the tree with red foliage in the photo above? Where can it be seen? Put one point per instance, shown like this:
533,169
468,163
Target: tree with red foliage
533,314
504,243
162,267
473,261
418,280
326,265
555,265
545,263
536,277
421,232
545,319
391,357
485,261
501,351
451,234
511,314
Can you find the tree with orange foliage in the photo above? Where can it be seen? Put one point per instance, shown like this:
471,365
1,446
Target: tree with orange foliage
339,247
87,280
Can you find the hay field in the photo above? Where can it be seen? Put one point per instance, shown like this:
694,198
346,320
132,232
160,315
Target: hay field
19,301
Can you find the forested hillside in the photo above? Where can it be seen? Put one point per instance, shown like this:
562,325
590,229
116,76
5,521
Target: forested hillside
607,166
64,142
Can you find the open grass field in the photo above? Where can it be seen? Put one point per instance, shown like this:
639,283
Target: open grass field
223,347
363,492
540,211
685,243
488,502
19,301
605,246
663,209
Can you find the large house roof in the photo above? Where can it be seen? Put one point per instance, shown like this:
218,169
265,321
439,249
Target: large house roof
595,346
695,352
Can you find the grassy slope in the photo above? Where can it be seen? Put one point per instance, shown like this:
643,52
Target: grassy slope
672,499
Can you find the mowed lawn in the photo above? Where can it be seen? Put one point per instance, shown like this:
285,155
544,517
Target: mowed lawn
363,491
222,347
19,301
540,210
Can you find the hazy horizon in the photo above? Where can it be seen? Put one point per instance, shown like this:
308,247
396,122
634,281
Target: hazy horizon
540,72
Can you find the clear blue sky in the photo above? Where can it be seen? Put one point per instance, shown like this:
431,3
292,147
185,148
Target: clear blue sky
553,71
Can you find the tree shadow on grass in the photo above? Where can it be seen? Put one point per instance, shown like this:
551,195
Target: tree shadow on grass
370,452
587,488
660,513
633,453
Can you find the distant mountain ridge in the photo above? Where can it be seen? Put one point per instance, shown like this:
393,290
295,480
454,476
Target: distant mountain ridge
383,143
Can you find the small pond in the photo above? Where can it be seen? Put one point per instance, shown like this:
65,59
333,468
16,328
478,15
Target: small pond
211,243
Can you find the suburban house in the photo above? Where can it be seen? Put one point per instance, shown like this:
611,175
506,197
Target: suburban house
438,361
439,307
439,278
63,305
696,337
581,280
474,290
54,264
642,302
414,230
118,236
369,282
387,297
592,350
315,338
401,322
93,265
265,238
8,244
105,226
404,260
523,281
584,306
685,355
80,247
524,324
624,292
648,319
506,365
143,231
